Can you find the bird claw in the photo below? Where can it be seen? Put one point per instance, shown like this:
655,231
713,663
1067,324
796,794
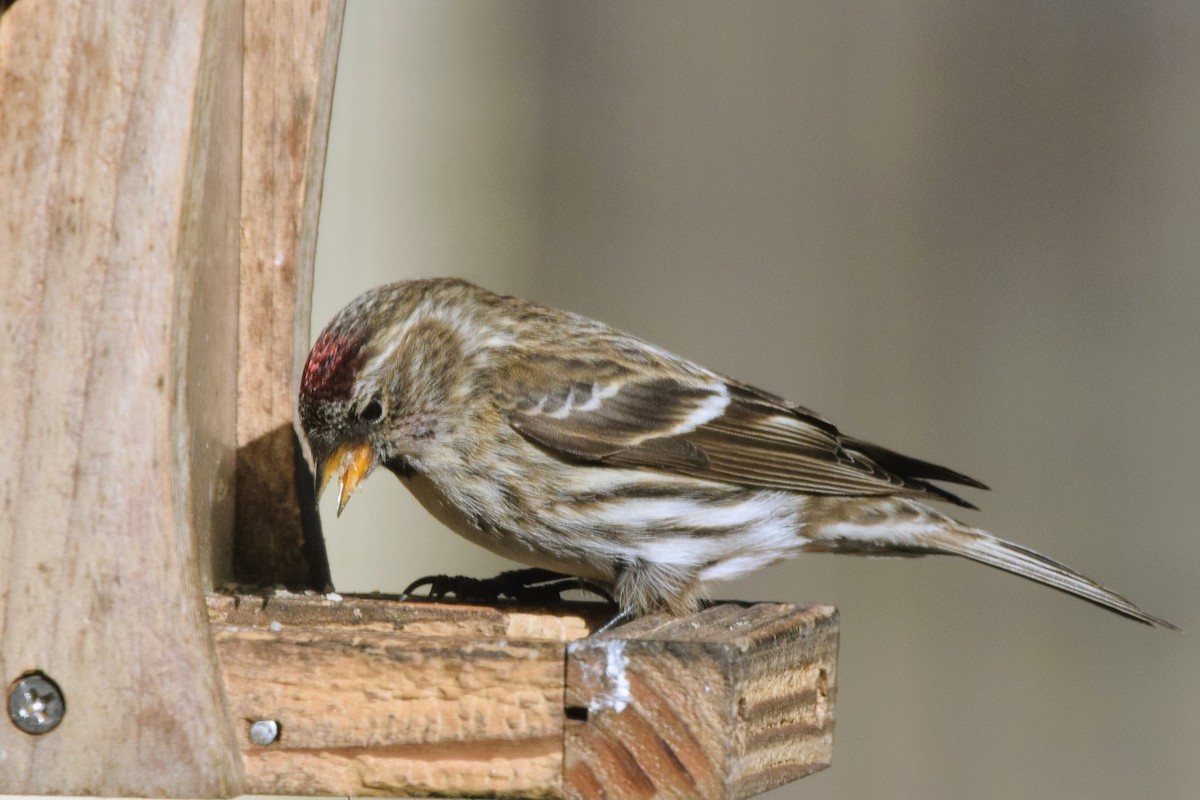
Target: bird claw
617,620
531,585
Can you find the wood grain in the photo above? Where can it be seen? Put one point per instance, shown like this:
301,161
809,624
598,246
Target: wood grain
118,203
290,52
724,704
378,697
384,698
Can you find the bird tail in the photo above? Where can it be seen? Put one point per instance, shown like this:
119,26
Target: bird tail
981,546
933,533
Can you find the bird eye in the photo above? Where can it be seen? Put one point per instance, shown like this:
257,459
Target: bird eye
371,412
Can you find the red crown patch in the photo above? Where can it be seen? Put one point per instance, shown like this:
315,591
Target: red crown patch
332,367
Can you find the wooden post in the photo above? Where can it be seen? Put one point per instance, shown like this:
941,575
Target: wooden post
290,63
119,150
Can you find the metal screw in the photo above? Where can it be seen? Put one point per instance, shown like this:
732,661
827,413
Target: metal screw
264,731
35,703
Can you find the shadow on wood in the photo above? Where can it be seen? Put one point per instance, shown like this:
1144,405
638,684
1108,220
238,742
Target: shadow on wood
277,536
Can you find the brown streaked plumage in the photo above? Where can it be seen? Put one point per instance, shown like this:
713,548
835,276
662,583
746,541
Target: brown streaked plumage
559,442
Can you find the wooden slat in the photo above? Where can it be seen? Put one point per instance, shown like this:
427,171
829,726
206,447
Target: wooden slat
119,151
724,704
384,698
291,51
375,697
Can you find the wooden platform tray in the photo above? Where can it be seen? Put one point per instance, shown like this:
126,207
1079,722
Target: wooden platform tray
375,697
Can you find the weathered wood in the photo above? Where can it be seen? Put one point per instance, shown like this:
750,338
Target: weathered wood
375,697
382,698
724,704
118,215
290,63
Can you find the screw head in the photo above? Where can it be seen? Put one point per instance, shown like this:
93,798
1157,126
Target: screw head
35,703
264,732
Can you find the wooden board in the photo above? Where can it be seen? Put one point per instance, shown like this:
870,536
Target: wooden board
290,63
383,698
118,215
726,703
376,697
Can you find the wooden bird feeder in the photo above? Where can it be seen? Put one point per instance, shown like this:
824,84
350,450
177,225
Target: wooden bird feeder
160,177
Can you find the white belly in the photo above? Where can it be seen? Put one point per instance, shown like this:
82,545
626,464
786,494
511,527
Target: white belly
522,549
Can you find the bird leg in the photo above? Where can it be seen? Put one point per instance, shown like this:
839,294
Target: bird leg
617,620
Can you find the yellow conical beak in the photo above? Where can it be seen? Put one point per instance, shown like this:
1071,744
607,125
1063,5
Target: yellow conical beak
354,462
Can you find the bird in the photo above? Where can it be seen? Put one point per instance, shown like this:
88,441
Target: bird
564,444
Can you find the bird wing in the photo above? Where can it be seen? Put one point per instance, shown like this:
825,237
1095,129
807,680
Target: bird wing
704,426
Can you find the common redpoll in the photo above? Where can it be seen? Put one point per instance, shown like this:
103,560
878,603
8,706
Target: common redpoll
561,443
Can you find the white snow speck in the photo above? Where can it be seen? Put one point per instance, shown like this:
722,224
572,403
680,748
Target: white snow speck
609,689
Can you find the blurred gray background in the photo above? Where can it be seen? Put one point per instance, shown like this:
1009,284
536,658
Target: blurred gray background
968,231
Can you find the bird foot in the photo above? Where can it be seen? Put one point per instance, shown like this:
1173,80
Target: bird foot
617,620
531,585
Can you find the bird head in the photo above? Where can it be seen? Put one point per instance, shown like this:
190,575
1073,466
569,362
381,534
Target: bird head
338,411
376,389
